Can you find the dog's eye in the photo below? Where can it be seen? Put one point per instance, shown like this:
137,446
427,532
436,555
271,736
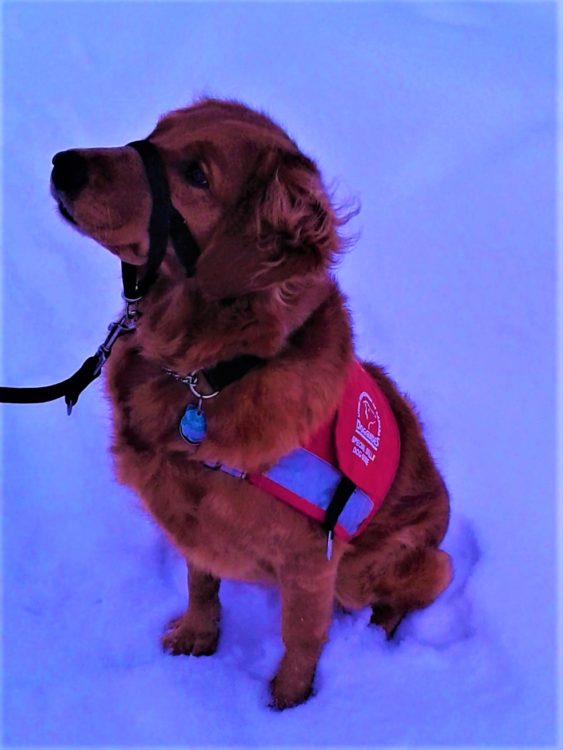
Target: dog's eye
194,175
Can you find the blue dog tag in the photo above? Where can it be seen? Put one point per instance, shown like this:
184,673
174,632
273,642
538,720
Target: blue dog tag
193,425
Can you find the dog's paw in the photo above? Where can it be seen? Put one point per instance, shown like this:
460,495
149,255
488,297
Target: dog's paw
386,618
182,638
287,696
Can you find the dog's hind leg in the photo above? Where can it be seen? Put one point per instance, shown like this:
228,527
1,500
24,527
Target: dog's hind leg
307,604
197,630
393,580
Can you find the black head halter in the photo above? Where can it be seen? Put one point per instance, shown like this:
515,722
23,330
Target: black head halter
165,221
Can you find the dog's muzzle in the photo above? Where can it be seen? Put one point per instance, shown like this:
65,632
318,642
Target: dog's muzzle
70,175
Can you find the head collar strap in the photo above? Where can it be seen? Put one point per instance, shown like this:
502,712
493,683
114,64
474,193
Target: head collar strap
165,221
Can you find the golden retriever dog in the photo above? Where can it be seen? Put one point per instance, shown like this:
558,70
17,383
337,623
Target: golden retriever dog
262,288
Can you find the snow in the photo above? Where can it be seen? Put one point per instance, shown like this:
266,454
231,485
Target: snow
440,118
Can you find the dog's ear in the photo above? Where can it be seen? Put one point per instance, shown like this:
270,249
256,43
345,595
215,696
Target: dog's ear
284,227
296,225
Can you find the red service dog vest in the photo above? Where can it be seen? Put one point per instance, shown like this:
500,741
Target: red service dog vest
361,441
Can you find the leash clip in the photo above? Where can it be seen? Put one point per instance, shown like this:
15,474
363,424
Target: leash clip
125,324
131,312
94,364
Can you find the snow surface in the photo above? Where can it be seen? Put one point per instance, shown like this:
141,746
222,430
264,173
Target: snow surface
440,118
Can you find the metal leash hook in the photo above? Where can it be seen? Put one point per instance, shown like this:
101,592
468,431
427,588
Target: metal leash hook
125,324
131,307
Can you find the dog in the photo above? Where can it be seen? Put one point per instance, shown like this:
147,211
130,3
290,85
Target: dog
262,288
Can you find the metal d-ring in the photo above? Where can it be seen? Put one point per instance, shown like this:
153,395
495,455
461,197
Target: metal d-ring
191,380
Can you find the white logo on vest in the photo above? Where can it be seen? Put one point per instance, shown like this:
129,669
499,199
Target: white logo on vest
368,429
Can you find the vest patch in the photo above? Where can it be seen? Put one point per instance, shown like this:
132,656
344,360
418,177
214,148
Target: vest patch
367,438
361,441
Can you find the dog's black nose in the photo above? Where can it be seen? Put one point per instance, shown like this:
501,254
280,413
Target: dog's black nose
70,171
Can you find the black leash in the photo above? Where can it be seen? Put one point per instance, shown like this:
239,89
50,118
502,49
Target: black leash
165,222
72,387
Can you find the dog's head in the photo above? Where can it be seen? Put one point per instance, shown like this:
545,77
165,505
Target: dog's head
254,203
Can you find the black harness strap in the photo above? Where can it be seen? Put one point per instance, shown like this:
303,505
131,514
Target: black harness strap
165,221
225,373
342,494
183,242
129,281
159,222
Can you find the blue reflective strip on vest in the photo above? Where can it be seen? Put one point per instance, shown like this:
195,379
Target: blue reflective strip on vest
355,512
314,480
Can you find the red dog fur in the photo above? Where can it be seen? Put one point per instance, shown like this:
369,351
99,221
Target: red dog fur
268,235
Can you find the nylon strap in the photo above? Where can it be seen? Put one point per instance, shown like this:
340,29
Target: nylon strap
342,494
159,222
165,221
225,373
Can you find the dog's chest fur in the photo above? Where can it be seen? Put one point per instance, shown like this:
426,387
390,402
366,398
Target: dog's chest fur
221,523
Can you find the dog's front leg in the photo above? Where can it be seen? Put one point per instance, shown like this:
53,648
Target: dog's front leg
307,603
197,630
